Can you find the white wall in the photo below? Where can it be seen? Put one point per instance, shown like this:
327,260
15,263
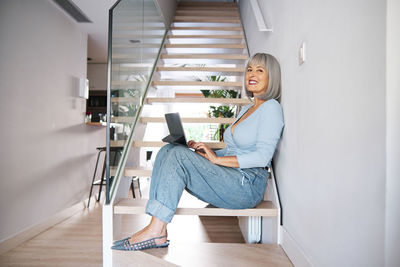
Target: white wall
330,166
167,8
393,135
47,153
97,75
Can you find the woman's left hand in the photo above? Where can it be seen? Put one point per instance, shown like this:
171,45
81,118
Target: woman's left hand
205,151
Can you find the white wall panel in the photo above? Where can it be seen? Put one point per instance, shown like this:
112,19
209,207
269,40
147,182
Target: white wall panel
47,153
330,166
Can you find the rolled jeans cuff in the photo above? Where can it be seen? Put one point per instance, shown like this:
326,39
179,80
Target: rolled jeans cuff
159,210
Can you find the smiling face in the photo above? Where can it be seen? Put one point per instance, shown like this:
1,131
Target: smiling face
256,79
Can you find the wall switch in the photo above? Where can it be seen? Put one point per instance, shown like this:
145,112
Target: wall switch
302,53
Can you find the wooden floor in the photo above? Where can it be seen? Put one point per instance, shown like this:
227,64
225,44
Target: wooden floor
195,241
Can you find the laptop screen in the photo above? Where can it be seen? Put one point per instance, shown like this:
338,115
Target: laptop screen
177,134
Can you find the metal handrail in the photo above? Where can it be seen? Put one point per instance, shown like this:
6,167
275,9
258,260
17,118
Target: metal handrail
109,59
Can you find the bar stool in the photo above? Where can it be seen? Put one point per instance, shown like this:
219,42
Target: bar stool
102,181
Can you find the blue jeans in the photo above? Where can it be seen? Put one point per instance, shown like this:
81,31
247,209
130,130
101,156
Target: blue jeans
177,168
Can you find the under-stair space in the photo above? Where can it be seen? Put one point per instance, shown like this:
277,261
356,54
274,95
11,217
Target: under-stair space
204,49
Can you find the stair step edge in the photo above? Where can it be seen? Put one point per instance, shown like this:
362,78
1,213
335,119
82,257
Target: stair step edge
120,143
137,206
188,120
205,69
243,101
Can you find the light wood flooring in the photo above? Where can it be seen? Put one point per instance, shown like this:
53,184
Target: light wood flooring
195,241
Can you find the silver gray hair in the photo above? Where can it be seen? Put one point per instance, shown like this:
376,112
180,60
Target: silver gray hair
273,69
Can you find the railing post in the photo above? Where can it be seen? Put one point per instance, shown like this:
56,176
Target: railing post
108,233
109,62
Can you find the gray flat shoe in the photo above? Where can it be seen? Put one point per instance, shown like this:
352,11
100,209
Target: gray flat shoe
119,242
124,244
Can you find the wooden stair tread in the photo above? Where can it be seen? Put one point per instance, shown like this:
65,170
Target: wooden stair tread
207,14
137,206
181,253
203,36
134,56
138,258
137,28
138,171
123,119
205,46
133,19
213,145
144,36
209,69
144,45
205,3
125,99
208,56
131,69
197,83
208,28
128,83
188,120
233,14
119,143
204,19
237,101
133,171
207,8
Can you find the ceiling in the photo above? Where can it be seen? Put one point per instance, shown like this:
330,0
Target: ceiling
97,12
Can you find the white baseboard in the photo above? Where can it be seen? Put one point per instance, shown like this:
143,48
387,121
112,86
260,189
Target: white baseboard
293,250
32,231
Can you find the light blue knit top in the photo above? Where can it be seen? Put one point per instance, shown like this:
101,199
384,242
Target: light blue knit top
255,139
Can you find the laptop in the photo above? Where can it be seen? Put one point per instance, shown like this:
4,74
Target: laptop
176,133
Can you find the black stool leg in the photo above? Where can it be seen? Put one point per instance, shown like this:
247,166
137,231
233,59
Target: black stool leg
94,176
102,178
138,183
115,157
133,188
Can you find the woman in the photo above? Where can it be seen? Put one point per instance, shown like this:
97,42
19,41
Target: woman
234,177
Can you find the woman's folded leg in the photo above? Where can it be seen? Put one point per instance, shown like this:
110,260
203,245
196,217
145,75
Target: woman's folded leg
178,168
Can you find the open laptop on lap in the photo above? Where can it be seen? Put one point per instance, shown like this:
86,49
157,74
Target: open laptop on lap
176,133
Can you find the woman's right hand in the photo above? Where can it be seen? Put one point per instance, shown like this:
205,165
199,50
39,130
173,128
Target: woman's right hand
191,143
194,145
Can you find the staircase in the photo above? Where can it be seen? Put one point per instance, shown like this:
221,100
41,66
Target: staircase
205,39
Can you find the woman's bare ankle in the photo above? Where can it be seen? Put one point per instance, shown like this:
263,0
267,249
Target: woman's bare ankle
156,228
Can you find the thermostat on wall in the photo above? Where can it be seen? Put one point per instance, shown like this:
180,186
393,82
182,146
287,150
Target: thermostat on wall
84,88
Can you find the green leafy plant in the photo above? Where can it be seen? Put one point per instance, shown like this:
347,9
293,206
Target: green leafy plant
220,111
219,93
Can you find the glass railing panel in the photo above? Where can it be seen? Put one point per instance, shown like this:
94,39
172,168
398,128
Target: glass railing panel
137,33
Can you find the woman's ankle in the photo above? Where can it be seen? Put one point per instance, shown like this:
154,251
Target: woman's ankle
155,231
157,227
